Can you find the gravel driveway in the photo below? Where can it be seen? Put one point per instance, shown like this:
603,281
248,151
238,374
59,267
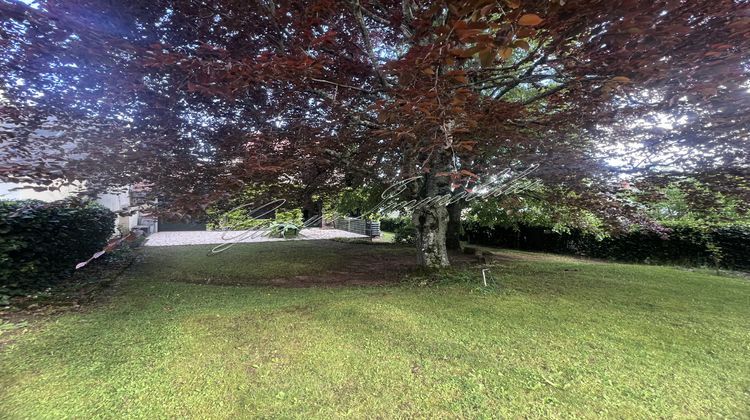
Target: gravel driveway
218,237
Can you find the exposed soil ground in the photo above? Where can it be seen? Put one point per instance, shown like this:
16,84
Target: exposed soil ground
369,269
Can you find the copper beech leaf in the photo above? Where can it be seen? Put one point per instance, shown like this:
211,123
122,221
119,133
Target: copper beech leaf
464,34
467,145
469,173
520,43
506,52
458,75
461,79
486,57
529,19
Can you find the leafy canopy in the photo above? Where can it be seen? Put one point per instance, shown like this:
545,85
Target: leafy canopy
203,99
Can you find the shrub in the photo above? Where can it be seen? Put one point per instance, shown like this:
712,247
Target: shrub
734,242
291,216
241,219
236,219
402,227
283,230
684,243
388,224
40,243
405,234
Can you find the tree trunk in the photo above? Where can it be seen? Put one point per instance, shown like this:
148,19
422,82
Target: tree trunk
431,223
312,212
430,218
453,232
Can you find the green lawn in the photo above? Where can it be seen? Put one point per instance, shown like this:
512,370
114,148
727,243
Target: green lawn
387,236
556,337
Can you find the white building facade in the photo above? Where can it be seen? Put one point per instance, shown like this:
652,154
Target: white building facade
128,218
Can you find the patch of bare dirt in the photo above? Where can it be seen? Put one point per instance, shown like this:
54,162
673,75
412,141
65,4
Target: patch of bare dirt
368,269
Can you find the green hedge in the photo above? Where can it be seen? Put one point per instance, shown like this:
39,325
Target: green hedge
402,227
41,243
681,243
389,224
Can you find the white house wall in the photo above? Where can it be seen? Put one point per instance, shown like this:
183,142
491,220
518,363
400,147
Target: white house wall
115,202
6,193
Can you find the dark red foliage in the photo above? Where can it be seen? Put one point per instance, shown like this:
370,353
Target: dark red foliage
202,99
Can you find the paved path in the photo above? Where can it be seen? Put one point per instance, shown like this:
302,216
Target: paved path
217,237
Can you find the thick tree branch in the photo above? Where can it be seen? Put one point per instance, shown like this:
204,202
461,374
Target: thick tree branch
545,94
341,85
375,17
526,74
357,10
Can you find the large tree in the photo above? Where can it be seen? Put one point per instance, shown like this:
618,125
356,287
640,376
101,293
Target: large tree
201,99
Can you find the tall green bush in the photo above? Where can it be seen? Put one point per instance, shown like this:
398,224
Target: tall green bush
402,227
684,243
287,224
734,242
280,224
41,243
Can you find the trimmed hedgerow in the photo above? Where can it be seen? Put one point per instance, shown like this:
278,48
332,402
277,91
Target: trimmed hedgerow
41,243
733,242
682,243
